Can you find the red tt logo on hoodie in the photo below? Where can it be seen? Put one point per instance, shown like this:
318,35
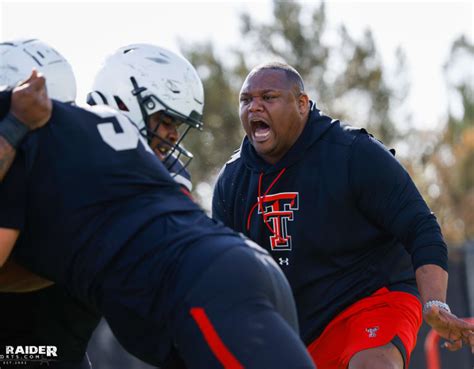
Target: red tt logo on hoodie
277,210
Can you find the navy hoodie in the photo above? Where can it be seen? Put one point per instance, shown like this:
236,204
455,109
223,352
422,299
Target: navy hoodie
338,213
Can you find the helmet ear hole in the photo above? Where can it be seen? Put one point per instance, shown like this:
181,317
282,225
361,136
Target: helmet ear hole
121,105
96,98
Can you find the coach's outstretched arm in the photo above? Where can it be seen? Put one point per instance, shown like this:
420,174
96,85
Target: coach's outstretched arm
432,282
30,109
389,197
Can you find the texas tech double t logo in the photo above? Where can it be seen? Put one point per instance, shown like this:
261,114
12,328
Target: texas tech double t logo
277,210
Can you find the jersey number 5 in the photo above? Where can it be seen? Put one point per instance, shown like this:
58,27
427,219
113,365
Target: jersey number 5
128,139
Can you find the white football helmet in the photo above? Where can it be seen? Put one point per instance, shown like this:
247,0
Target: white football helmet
19,57
142,79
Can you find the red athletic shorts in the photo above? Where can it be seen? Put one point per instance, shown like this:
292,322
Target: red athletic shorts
373,321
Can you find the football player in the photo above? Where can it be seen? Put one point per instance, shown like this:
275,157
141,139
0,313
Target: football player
50,315
93,209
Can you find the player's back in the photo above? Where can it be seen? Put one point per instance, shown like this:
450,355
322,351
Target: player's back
88,183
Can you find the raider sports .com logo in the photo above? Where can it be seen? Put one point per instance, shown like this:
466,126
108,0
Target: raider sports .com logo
22,355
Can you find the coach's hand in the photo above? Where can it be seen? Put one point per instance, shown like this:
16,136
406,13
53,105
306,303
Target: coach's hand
30,103
451,328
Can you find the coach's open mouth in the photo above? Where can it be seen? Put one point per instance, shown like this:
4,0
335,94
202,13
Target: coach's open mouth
260,130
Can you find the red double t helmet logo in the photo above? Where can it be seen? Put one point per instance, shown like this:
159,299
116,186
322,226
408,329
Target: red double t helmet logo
277,210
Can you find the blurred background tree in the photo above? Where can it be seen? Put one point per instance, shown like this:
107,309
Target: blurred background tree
344,76
445,169
348,81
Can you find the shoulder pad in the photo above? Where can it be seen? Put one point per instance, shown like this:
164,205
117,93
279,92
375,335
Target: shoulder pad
103,111
180,174
183,180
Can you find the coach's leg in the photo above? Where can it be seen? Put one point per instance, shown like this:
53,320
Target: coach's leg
396,317
232,317
384,357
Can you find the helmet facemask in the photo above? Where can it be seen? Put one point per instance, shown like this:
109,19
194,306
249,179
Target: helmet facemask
169,152
141,80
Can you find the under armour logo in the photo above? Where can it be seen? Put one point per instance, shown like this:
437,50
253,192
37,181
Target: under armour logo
284,261
372,331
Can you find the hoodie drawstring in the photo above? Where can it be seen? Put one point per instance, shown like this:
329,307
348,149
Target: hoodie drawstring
260,198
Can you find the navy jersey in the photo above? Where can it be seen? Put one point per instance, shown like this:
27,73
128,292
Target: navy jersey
101,215
180,174
81,189
338,213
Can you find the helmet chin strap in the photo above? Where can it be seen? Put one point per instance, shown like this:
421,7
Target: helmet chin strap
176,153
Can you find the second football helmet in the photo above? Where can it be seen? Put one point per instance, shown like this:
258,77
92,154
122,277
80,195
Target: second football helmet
142,79
19,57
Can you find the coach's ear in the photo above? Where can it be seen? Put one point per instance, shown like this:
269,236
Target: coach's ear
8,239
303,103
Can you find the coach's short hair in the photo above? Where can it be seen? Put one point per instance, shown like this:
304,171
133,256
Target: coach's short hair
291,73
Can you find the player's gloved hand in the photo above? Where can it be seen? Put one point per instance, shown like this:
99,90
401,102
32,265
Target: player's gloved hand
30,103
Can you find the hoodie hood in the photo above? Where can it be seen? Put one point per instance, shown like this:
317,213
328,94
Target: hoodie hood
314,129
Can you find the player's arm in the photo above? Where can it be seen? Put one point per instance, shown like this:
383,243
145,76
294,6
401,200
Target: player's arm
17,279
7,154
387,195
8,239
30,109
13,277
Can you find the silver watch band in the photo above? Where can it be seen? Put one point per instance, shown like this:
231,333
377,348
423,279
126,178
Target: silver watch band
437,303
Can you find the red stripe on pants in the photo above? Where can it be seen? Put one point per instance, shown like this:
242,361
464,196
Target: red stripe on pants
215,343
